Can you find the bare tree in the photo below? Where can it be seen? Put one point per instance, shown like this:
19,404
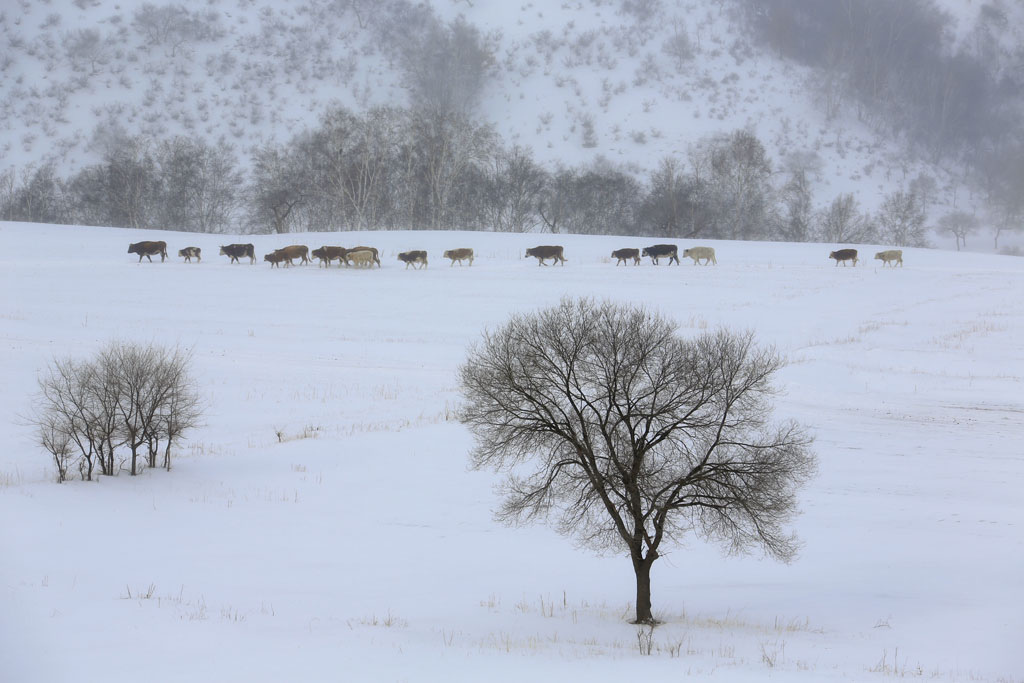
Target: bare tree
842,222
446,146
276,188
630,435
678,45
181,409
64,416
54,437
901,220
737,170
960,224
517,182
87,46
795,225
444,67
198,185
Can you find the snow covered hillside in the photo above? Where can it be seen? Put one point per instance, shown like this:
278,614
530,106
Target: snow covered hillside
322,525
632,82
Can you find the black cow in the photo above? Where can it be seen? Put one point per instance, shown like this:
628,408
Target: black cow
543,253
844,255
658,251
237,251
411,258
149,250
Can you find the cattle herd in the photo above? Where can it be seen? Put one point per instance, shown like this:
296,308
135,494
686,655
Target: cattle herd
367,257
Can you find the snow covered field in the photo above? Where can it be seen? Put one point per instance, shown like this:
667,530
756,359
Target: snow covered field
359,547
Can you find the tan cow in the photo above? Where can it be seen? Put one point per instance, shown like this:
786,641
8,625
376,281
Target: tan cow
698,253
892,256
372,250
459,255
360,257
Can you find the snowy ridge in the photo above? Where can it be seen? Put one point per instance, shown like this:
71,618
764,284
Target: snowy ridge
574,81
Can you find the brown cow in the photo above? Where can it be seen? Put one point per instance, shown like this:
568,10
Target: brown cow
624,255
191,252
328,254
546,252
237,251
295,251
275,258
411,258
844,255
149,249
459,255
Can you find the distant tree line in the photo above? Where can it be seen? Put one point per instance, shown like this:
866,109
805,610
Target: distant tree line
898,65
396,168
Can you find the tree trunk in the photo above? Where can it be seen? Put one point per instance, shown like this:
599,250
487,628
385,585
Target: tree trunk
642,568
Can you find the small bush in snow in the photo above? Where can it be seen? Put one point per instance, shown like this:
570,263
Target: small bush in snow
129,397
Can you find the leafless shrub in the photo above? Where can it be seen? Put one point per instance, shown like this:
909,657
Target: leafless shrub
174,26
128,396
